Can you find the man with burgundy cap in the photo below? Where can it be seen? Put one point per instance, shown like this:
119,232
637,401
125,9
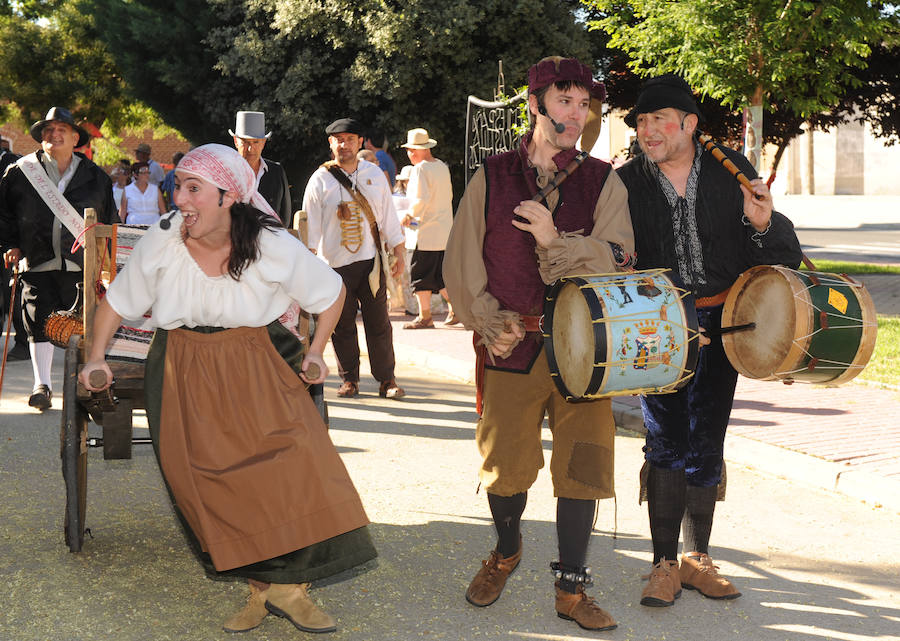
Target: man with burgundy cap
504,248
692,216
42,202
348,203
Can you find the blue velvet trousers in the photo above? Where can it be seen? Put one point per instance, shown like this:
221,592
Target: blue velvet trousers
686,429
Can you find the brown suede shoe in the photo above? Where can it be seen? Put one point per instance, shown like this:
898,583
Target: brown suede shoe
348,389
390,389
420,323
487,585
252,615
663,586
291,601
583,610
697,572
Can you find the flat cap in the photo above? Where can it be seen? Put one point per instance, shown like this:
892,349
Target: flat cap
346,126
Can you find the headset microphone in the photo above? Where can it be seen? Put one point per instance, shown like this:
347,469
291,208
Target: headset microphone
560,128
165,222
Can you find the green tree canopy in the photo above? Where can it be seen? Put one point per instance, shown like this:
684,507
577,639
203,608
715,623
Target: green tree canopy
307,62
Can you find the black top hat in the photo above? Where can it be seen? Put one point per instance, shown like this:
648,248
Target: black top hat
664,91
346,126
62,115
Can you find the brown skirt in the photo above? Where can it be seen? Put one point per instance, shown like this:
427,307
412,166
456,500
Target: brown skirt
244,452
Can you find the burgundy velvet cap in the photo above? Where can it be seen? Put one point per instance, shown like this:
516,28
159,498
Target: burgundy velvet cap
555,69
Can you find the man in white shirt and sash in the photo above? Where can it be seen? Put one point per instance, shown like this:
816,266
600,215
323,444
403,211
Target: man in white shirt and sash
42,202
352,225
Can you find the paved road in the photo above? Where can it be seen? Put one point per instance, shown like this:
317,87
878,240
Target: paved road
811,564
868,244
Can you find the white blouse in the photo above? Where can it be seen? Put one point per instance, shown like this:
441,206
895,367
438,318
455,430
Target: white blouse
162,275
142,208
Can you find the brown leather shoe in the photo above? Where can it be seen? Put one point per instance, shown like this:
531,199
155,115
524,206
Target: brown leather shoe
420,323
698,572
348,389
583,610
291,601
390,389
663,586
452,319
487,585
252,615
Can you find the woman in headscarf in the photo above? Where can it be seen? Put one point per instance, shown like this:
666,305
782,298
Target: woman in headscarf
247,459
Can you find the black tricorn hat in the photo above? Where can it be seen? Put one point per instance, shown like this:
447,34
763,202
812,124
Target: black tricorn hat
62,115
664,91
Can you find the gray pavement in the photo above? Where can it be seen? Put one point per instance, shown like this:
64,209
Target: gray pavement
811,564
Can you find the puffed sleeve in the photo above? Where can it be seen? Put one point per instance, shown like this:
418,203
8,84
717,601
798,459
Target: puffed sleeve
304,277
133,291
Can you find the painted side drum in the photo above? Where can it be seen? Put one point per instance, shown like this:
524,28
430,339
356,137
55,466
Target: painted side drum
813,327
619,334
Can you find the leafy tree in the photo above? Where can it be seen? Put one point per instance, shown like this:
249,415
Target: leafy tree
797,57
307,62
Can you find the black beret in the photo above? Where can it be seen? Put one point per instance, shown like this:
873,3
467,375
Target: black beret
664,91
346,126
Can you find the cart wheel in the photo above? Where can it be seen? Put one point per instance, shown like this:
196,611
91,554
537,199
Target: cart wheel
73,450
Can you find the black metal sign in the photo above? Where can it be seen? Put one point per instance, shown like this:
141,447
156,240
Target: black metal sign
492,128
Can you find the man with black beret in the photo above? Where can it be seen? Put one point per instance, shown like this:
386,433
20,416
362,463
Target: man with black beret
692,216
352,225
42,201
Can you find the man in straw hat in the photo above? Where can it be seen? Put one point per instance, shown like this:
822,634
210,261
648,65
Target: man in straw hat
348,203
42,202
693,217
250,137
430,196
504,248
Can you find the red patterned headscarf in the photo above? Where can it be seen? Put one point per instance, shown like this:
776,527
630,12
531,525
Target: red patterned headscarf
226,169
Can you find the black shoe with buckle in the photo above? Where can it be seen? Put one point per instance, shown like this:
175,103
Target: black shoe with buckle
40,398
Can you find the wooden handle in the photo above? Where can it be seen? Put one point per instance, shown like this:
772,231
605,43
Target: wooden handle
313,372
97,378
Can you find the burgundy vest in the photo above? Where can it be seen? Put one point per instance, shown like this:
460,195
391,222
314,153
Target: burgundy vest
509,253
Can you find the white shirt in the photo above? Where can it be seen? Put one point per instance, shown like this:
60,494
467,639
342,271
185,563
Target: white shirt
320,201
157,173
431,203
162,275
141,208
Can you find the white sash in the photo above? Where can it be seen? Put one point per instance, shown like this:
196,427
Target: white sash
51,195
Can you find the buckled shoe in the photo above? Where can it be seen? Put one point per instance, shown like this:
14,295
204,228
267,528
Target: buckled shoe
487,585
697,572
291,601
663,585
40,398
583,610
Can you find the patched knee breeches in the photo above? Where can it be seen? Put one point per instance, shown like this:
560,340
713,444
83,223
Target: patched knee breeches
509,436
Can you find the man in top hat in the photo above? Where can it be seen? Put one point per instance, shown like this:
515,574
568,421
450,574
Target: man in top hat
692,216
42,201
345,199
157,173
504,248
431,212
250,137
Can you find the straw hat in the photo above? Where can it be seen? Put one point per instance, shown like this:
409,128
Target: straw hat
418,139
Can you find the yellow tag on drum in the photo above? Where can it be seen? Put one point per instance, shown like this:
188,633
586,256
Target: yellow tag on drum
837,300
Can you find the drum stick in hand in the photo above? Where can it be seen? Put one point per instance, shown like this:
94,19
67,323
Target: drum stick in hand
721,331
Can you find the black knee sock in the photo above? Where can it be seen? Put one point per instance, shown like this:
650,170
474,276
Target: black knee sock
574,521
700,503
507,512
665,504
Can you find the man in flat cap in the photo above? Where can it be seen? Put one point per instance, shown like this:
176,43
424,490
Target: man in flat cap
42,201
250,137
157,173
692,216
505,247
352,224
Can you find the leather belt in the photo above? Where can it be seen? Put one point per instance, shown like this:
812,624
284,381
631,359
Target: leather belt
533,323
712,301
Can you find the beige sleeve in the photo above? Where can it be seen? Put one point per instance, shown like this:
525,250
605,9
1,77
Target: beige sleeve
464,273
574,253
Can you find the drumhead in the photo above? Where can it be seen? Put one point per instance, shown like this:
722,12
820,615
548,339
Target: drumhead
761,295
573,339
